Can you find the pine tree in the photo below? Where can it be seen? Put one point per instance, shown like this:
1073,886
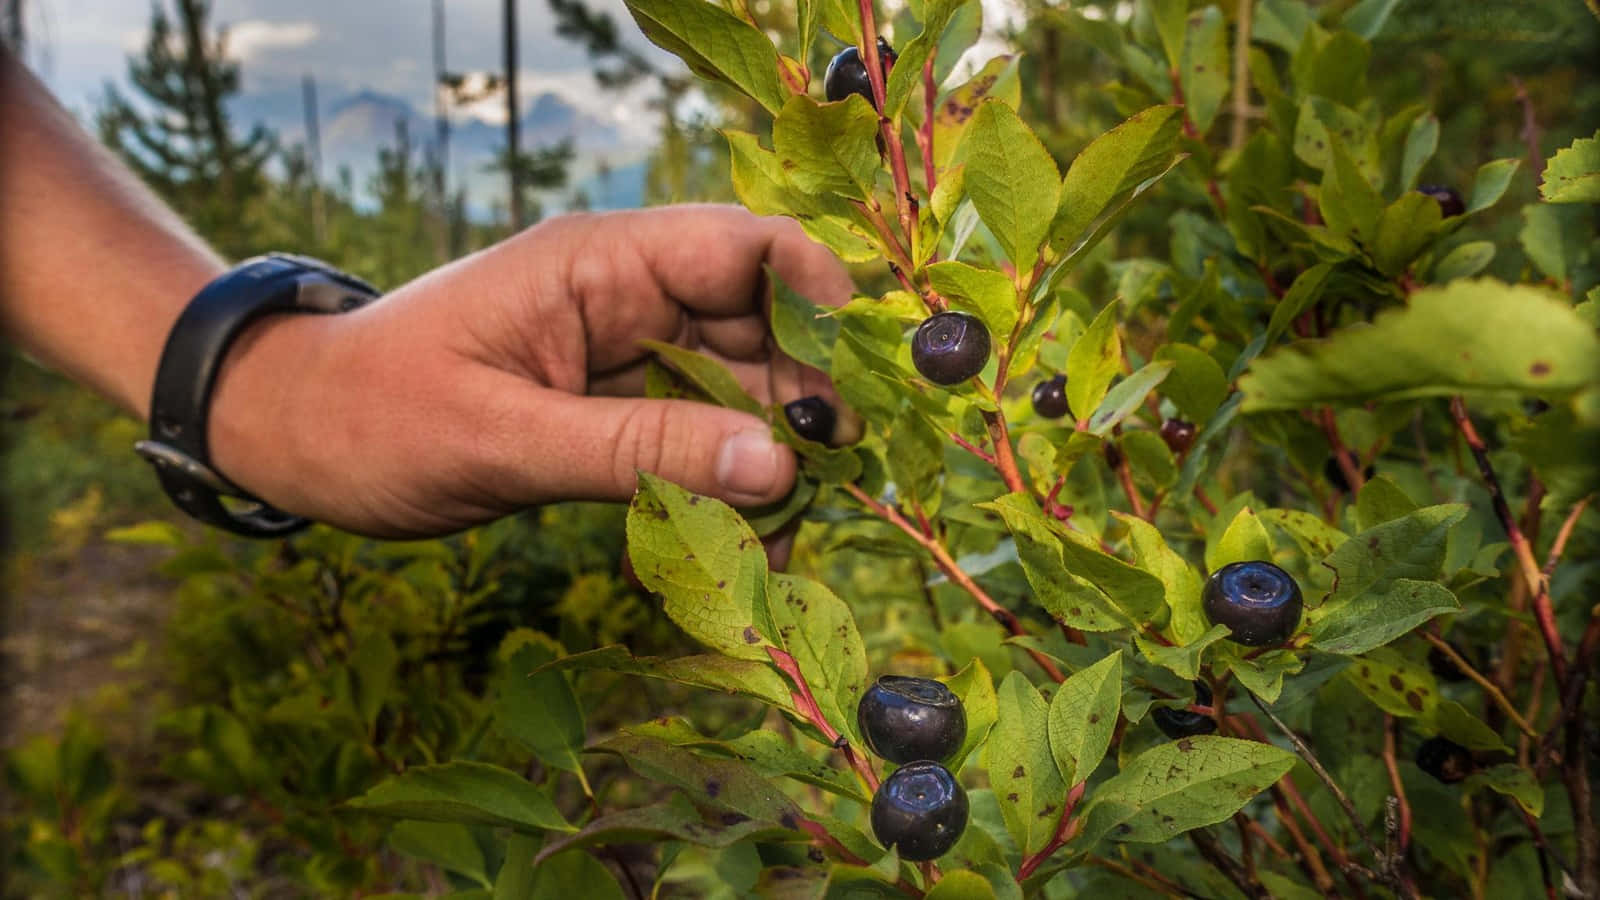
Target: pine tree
185,146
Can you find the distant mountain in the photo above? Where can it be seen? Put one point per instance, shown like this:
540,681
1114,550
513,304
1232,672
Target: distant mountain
355,127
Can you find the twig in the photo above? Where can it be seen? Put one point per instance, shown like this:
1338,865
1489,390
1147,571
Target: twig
1005,459
897,152
1135,501
1538,585
1530,129
947,565
1310,859
1500,700
1399,787
1205,842
1348,465
1150,878
1067,828
972,448
806,703
1241,73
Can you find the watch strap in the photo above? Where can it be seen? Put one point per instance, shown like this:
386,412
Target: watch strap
191,360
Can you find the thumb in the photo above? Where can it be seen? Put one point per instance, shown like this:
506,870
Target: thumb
604,441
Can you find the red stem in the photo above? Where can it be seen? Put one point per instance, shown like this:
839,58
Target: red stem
1067,828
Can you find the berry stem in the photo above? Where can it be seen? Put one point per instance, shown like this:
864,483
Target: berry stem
1538,584
941,558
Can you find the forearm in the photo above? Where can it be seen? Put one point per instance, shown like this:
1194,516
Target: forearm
94,269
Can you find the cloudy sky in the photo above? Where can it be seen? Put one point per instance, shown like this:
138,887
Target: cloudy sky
350,45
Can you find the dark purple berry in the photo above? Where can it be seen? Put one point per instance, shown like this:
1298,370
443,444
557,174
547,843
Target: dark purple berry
921,810
1449,199
812,418
1445,760
1178,434
1050,397
950,347
847,73
1444,668
904,719
1334,472
1182,723
1113,455
1258,602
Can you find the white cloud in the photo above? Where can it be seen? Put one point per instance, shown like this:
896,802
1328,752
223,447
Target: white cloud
248,39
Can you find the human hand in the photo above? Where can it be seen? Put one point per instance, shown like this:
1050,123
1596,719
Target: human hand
513,377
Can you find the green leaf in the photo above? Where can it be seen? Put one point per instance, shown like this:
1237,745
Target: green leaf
1204,69
1490,183
1183,660
1011,179
516,879
906,74
155,533
1515,782
1380,615
1456,723
828,148
1171,18
1179,580
1149,458
915,455
705,562
1111,167
721,783
1556,238
1368,17
1126,398
1316,538
1565,454
447,845
768,752
555,875
466,793
715,44
1464,337
540,711
1464,261
1380,501
1137,593
997,78
1382,581
1319,121
1197,385
1083,715
962,885
676,819
1422,140
373,665
1095,359
1395,684
761,185
1244,540
749,677
985,292
1263,675
817,629
975,687
1573,174
1349,202
1301,296
1180,785
1406,228
1021,769
1061,593
707,374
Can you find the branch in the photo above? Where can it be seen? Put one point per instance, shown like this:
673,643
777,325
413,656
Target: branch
1067,828
1538,585
1500,700
947,565
806,702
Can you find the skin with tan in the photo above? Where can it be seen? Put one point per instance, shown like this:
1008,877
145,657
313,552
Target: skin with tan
506,379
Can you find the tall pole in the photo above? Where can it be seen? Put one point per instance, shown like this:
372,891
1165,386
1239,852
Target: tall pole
513,153
441,104
308,100
13,34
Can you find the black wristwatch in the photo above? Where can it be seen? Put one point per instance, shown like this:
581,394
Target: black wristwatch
195,348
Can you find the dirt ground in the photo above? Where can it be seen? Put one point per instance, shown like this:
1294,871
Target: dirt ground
72,627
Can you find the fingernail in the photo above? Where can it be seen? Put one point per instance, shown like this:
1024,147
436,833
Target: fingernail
748,463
